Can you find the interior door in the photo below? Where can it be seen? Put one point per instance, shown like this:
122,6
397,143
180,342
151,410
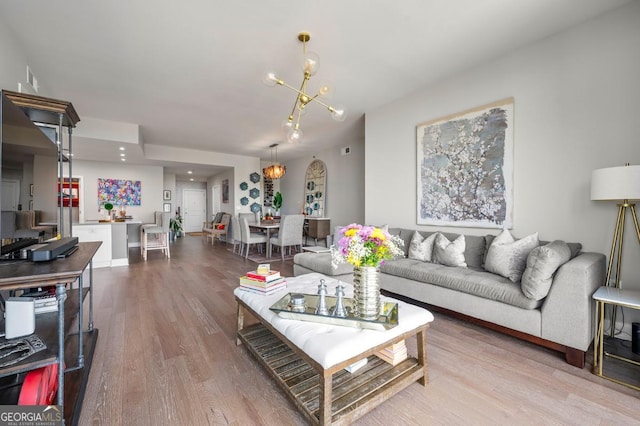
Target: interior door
194,204
10,195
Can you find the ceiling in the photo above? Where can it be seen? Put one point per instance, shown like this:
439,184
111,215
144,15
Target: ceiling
190,73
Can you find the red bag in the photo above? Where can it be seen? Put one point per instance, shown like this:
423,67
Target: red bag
220,226
40,386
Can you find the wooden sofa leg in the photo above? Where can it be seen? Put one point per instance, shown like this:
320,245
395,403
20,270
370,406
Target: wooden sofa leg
574,357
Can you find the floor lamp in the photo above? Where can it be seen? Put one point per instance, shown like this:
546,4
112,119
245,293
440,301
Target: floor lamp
621,184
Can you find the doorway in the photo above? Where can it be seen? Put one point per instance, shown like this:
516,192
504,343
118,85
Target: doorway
10,194
194,204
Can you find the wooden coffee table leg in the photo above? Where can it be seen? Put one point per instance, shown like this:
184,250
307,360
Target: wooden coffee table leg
421,338
239,323
325,398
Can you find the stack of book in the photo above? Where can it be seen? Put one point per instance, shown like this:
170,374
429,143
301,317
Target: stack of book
393,354
265,283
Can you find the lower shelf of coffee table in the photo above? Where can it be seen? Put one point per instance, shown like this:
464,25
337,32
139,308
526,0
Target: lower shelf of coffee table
353,394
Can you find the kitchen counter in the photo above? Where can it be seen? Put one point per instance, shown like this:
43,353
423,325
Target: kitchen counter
115,240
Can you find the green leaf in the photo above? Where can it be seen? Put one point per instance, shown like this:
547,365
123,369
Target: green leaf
277,201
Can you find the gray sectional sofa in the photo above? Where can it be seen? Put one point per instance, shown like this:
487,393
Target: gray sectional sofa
562,320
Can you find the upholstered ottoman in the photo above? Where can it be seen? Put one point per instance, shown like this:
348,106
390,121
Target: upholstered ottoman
308,359
304,263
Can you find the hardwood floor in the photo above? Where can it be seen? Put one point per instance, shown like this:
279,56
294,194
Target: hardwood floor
166,355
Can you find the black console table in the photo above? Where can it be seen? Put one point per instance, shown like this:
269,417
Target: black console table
19,275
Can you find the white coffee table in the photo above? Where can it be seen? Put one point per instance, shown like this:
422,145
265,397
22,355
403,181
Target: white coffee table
307,359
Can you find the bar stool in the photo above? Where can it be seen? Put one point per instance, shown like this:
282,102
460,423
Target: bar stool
156,237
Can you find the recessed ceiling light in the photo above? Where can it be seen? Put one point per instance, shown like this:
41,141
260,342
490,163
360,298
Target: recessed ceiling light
190,172
191,179
123,159
122,148
122,155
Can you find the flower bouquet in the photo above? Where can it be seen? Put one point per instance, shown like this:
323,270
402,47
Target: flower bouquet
366,248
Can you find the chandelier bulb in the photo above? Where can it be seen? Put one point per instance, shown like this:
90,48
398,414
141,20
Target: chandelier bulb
325,90
310,63
294,135
270,79
288,123
338,113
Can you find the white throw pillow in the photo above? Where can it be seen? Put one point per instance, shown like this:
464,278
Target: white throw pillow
449,253
542,263
421,248
508,257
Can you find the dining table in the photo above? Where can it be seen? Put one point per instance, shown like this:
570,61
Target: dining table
266,226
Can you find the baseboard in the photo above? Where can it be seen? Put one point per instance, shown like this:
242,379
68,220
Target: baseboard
120,262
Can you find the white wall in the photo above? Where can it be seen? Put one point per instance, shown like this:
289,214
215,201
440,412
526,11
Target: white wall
152,185
13,66
577,101
345,187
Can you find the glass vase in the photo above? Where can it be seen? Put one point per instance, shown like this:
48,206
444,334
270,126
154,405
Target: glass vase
366,292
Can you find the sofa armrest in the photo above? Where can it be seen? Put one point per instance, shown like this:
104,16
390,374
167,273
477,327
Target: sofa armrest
568,310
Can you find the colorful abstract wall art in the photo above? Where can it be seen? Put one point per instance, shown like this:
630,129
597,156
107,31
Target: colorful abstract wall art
465,168
119,192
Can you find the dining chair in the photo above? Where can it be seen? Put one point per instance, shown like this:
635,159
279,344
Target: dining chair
251,217
247,237
236,235
289,234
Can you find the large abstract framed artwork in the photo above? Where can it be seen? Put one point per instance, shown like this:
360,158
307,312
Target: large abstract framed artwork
465,168
119,192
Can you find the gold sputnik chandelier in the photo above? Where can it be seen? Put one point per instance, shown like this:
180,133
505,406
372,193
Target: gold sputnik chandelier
275,170
310,65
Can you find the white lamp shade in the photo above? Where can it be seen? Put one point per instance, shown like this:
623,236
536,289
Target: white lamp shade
616,183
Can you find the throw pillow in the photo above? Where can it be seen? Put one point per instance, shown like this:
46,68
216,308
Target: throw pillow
508,257
542,263
421,248
449,253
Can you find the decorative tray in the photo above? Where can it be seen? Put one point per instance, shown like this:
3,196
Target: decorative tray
387,319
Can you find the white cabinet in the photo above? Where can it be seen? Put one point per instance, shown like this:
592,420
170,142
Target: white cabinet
96,232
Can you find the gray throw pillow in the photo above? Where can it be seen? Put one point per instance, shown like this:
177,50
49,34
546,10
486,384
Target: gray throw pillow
449,253
421,248
508,257
542,263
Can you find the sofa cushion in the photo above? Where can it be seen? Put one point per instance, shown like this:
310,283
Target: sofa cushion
321,262
575,248
542,263
421,248
406,235
472,281
449,253
508,256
